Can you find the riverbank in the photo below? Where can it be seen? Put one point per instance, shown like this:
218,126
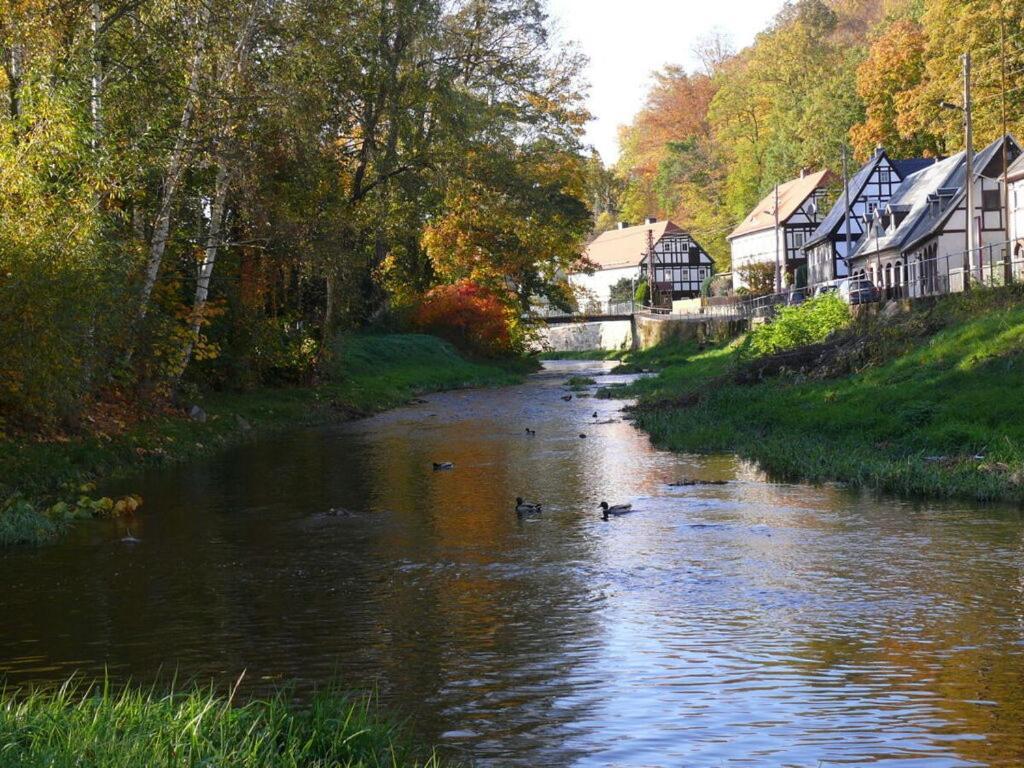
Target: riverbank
925,403
44,485
134,727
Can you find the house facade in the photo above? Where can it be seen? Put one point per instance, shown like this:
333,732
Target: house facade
1015,201
869,190
759,239
680,264
917,245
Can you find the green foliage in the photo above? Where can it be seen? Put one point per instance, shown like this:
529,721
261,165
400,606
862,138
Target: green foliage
132,727
22,523
810,322
640,294
937,392
622,291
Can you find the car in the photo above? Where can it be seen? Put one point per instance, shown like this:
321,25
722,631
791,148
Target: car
796,296
824,288
858,290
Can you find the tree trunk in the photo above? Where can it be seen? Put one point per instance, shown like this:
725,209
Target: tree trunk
96,79
213,244
175,170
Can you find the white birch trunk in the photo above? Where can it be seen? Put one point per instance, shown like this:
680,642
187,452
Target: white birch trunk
175,170
213,244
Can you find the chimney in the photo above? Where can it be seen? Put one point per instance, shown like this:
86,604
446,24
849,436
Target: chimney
803,172
623,224
879,150
651,220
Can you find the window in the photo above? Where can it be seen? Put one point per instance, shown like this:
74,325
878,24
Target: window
884,175
990,200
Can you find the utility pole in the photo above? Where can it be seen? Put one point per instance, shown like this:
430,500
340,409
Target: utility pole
969,262
650,266
778,263
846,206
1007,264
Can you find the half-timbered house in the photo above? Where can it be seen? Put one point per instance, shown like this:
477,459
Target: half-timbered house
766,234
917,244
867,191
680,264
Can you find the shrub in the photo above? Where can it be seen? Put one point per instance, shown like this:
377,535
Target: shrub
760,278
808,323
469,316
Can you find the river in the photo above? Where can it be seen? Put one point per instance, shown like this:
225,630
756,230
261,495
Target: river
744,624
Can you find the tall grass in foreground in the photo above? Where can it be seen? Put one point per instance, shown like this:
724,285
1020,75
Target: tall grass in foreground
94,727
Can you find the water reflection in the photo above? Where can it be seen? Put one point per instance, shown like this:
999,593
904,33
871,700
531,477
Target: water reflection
743,624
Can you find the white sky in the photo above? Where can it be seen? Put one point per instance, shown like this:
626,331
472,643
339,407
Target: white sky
627,40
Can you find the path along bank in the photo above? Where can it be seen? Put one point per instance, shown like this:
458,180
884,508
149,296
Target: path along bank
46,484
924,403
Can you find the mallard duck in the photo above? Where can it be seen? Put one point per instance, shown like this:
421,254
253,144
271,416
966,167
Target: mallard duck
531,432
594,416
442,465
582,436
567,398
526,507
616,509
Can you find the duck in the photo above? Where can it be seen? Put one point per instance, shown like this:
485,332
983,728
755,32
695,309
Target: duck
582,436
442,465
615,509
594,416
531,432
567,398
526,507
130,538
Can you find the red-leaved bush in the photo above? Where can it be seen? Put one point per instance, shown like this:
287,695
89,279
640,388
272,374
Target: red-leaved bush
471,317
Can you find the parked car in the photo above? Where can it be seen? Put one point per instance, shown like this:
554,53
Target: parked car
796,296
823,288
858,290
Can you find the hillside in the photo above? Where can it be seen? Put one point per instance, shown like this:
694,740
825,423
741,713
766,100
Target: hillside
926,403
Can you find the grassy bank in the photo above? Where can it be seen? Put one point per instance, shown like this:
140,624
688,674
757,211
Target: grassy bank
46,484
926,403
102,729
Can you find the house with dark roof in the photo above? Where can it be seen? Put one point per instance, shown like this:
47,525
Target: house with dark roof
868,190
680,263
766,233
917,244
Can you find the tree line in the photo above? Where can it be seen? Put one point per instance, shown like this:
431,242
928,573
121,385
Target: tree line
198,193
825,74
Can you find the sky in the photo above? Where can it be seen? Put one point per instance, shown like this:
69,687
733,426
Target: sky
626,40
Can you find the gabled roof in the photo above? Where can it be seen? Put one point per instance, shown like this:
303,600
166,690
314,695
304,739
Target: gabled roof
1016,170
792,195
922,218
856,186
618,248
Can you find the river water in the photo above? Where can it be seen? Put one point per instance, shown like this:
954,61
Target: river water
743,624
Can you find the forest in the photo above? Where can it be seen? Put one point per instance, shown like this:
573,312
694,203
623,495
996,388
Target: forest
825,75
202,195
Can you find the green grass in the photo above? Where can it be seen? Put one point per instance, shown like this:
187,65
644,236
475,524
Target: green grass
366,374
100,728
937,388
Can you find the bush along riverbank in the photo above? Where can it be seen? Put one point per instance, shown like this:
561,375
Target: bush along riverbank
45,484
130,728
923,403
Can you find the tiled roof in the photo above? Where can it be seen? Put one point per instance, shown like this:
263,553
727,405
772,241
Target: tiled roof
792,195
618,248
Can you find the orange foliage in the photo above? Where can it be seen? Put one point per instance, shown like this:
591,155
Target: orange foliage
471,317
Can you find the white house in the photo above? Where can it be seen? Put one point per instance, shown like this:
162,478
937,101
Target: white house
1015,181
760,238
680,263
917,244
868,190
